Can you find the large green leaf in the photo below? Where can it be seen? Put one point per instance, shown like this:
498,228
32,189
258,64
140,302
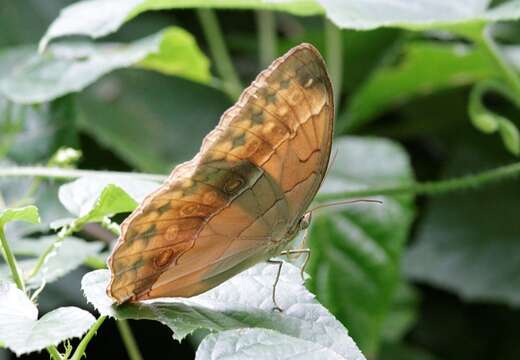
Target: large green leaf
22,332
419,14
356,250
244,301
96,18
390,85
70,67
467,243
167,117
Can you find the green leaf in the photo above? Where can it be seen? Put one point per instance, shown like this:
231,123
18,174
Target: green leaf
422,14
244,301
99,196
455,65
165,113
85,17
402,315
22,332
356,249
179,55
71,253
27,214
466,242
70,67
261,344
94,197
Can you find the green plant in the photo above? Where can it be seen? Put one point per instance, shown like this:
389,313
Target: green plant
401,81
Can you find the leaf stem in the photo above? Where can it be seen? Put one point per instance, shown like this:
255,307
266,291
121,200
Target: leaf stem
219,52
334,57
488,44
11,261
82,346
266,23
59,173
53,352
129,340
431,188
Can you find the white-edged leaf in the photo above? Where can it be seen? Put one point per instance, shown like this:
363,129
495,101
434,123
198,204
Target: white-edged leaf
96,18
22,332
417,14
261,344
67,67
243,301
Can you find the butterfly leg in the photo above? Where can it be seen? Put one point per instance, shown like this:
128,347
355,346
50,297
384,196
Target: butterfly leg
302,250
279,263
307,253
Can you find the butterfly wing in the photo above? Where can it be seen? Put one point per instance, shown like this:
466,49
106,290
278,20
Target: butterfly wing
230,206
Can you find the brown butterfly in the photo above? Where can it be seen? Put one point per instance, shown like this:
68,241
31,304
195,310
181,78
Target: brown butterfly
243,197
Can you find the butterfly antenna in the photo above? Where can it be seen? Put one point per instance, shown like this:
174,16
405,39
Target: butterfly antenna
344,202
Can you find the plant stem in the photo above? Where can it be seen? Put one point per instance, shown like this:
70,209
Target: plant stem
266,23
129,340
82,346
431,188
488,44
219,52
53,352
334,57
427,188
11,261
66,231
59,173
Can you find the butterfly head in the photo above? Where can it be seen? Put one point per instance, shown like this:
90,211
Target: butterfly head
305,221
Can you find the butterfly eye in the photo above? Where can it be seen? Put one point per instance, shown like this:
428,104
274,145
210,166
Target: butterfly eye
305,221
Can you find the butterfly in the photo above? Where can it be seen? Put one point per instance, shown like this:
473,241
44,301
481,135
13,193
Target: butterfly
243,197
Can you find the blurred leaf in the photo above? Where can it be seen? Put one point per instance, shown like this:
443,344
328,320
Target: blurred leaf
70,255
403,352
455,65
93,198
356,249
467,243
179,55
422,14
262,344
21,330
26,214
167,116
96,18
70,67
14,30
402,315
244,301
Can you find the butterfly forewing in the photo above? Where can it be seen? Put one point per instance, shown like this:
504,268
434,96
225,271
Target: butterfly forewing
236,202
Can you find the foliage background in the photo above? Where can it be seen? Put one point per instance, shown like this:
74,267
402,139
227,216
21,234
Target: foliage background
431,276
